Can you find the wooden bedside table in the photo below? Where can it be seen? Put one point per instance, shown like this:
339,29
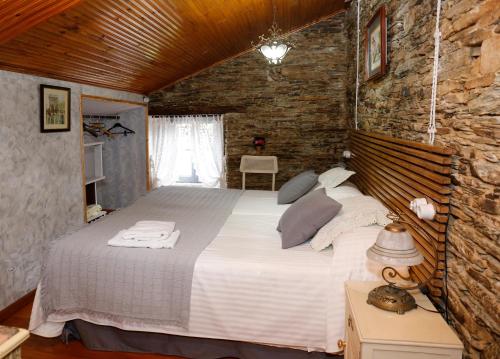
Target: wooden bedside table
10,342
373,333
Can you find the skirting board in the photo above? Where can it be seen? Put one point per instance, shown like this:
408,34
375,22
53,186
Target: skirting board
17,305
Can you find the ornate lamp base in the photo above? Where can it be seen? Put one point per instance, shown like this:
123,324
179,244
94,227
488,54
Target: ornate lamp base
391,298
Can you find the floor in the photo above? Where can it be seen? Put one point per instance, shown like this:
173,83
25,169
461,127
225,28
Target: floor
43,348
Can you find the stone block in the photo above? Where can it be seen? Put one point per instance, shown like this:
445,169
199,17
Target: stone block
482,81
466,19
489,13
448,85
490,58
486,171
453,9
458,213
488,102
456,98
469,328
472,37
491,206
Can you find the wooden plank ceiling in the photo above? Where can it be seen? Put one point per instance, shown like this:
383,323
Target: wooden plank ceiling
139,45
17,16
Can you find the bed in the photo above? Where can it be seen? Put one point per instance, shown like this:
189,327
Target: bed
246,288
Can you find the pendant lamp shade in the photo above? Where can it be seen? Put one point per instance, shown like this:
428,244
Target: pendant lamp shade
274,47
274,52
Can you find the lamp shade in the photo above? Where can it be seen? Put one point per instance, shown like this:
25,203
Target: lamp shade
395,246
274,52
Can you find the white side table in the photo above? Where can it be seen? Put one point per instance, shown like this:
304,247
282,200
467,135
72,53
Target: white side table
258,164
373,333
10,342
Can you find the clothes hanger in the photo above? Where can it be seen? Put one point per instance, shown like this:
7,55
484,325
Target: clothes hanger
96,129
125,132
90,130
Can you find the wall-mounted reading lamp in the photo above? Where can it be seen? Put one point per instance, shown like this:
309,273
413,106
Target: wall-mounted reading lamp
347,154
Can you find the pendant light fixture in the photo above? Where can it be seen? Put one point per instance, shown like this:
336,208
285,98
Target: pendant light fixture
274,48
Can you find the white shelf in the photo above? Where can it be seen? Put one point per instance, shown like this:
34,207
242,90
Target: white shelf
94,179
92,144
93,162
93,171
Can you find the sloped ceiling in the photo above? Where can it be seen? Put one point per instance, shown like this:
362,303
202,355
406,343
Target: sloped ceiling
139,45
17,16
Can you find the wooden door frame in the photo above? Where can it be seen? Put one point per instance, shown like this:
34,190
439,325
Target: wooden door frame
82,147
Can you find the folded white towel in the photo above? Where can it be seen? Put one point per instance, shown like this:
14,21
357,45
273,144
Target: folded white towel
95,215
169,243
140,235
153,225
93,210
145,230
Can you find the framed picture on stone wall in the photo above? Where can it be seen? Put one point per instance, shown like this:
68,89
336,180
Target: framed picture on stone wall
55,110
376,45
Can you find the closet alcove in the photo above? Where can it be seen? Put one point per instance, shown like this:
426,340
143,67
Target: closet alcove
114,154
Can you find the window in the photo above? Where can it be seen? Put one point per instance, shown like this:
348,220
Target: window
187,149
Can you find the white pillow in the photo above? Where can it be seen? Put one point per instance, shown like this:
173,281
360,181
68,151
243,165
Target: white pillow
335,176
359,211
350,255
341,192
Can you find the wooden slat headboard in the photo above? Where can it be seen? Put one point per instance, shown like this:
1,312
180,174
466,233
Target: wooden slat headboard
396,171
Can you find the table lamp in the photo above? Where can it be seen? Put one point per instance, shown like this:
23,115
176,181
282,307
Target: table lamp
394,247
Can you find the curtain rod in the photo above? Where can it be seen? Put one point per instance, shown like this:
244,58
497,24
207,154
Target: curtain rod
101,117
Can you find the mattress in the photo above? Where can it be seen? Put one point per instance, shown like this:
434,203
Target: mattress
82,275
259,202
246,288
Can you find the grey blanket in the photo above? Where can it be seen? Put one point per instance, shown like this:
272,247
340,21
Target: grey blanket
84,277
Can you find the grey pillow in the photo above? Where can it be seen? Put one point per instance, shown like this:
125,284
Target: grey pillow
297,187
304,218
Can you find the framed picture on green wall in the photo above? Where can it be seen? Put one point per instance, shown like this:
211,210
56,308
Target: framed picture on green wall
55,108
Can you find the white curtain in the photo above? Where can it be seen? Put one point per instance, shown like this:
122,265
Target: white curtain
202,135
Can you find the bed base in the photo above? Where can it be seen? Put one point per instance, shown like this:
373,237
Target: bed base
106,338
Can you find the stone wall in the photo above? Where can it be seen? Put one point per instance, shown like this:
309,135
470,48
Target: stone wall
468,111
299,107
41,194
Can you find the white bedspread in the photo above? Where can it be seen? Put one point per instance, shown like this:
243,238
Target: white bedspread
259,202
245,287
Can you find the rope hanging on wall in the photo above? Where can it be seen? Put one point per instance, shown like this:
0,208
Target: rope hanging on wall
432,118
357,67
